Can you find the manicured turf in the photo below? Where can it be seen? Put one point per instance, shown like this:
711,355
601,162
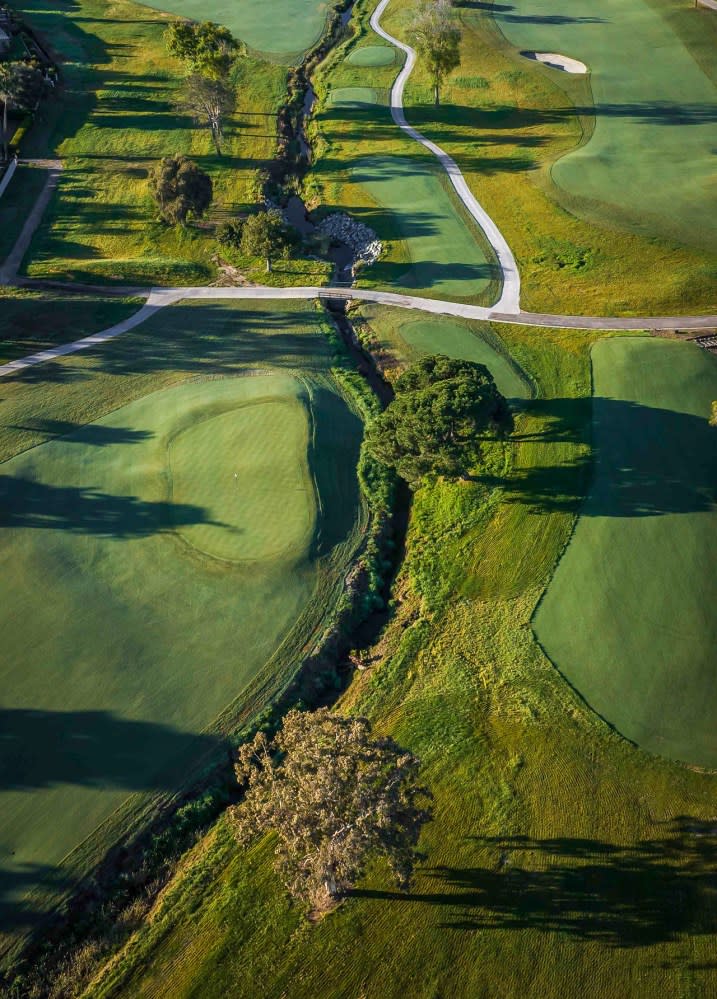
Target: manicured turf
160,543
629,617
372,55
247,468
561,863
455,339
113,119
352,97
650,159
447,256
291,27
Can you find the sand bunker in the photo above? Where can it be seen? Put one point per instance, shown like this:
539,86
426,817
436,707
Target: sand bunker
557,61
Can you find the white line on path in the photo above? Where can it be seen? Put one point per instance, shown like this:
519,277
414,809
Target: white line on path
509,301
160,297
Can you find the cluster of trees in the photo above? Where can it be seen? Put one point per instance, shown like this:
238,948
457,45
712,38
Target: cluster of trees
264,234
437,37
443,410
21,85
335,796
209,53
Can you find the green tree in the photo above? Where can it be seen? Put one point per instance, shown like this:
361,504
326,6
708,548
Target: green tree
335,796
209,101
713,414
180,188
21,86
437,36
205,48
444,408
264,235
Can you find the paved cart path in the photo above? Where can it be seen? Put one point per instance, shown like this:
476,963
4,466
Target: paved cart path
509,300
158,298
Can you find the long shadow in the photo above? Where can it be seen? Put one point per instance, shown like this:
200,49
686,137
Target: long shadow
82,510
647,461
653,891
92,433
93,749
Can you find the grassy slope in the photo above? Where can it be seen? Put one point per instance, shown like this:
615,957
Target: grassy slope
506,121
639,570
106,579
366,166
650,157
562,861
34,320
111,122
294,25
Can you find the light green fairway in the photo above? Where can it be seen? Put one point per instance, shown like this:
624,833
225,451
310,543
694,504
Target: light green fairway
445,336
372,55
283,29
448,257
352,97
629,617
157,555
248,466
650,162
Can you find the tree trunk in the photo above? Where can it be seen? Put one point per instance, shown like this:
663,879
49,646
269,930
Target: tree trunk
216,137
435,94
268,265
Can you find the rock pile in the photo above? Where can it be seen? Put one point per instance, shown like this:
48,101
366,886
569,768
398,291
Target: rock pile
363,241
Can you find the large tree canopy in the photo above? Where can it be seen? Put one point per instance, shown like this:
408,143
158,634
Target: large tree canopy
442,411
264,235
180,188
206,48
335,796
437,36
21,85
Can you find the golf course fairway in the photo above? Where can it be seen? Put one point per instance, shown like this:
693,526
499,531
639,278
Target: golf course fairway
649,163
293,27
629,616
161,563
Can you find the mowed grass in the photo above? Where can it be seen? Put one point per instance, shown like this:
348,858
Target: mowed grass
629,617
293,27
561,861
650,159
112,120
158,582
508,122
34,320
364,165
398,334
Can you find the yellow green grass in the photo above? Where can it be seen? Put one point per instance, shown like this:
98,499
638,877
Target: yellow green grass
562,861
629,616
113,119
649,162
507,121
178,510
294,25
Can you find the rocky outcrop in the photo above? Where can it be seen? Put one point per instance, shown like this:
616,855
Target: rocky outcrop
364,242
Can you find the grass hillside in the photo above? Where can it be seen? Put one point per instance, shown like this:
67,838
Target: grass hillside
561,861
506,121
179,508
113,119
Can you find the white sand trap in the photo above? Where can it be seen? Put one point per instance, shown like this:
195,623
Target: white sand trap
557,61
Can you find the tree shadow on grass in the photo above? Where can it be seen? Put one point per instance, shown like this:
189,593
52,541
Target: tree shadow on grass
25,503
646,461
650,892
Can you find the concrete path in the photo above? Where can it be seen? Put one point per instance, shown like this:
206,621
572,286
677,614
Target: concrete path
160,297
9,269
509,300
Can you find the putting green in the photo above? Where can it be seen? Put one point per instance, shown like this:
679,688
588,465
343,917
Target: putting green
445,336
352,97
154,560
650,162
447,255
248,468
372,55
284,30
629,617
